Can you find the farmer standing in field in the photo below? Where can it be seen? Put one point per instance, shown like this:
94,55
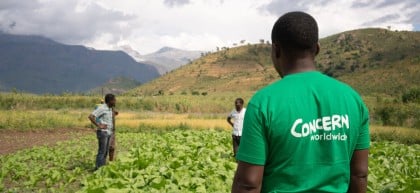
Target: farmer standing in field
237,115
102,118
306,132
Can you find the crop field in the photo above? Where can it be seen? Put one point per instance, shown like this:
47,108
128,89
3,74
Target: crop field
176,160
166,144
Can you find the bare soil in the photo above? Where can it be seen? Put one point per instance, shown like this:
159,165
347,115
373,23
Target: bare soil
12,140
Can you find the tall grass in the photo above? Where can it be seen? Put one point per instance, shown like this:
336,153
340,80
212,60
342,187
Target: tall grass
137,121
171,103
32,120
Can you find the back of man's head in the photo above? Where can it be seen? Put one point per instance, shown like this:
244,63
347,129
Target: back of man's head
295,32
109,98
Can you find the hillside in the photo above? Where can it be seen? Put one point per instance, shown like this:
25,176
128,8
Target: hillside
40,65
117,85
371,60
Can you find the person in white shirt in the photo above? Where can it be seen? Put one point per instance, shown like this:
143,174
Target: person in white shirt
237,115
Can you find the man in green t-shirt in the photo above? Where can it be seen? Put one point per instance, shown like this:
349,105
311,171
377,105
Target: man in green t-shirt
306,132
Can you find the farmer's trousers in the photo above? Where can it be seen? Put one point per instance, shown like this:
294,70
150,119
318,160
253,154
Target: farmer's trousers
103,147
235,142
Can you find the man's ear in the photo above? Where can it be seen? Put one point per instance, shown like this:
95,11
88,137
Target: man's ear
318,48
275,50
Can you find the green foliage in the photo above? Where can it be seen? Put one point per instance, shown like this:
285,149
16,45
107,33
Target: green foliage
48,169
394,168
167,103
398,114
171,160
117,85
178,161
412,95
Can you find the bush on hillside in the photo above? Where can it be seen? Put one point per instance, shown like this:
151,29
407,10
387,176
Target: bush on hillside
412,95
398,114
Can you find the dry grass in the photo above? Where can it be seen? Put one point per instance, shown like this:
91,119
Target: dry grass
134,120
50,119
401,134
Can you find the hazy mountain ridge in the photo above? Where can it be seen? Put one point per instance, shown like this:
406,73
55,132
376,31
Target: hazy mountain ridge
165,59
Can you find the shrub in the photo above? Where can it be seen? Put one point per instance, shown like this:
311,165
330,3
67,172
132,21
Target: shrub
412,95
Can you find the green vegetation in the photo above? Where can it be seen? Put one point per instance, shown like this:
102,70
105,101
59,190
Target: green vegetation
173,160
48,169
178,161
116,86
200,103
394,168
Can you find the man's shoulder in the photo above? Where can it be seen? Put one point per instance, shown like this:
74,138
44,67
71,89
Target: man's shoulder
104,107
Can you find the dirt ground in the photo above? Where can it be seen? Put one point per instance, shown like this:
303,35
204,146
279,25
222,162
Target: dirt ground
12,141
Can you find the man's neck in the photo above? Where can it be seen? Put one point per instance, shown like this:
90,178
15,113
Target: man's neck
300,65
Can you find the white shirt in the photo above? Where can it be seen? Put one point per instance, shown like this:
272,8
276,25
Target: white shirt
103,115
238,121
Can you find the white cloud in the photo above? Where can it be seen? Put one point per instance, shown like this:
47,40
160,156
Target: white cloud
334,16
190,24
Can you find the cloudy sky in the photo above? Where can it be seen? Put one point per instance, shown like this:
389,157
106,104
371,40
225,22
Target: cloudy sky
147,25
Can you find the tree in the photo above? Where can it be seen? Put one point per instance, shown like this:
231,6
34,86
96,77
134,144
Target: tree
242,41
262,41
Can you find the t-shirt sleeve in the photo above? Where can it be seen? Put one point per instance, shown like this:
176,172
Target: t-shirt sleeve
363,140
98,112
230,115
253,147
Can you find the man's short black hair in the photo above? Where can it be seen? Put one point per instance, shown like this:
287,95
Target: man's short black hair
295,32
109,98
240,100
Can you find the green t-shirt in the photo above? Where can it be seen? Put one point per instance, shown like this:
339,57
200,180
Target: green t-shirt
304,129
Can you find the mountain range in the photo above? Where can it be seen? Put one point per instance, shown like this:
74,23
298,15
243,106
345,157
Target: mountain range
165,59
40,65
373,61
